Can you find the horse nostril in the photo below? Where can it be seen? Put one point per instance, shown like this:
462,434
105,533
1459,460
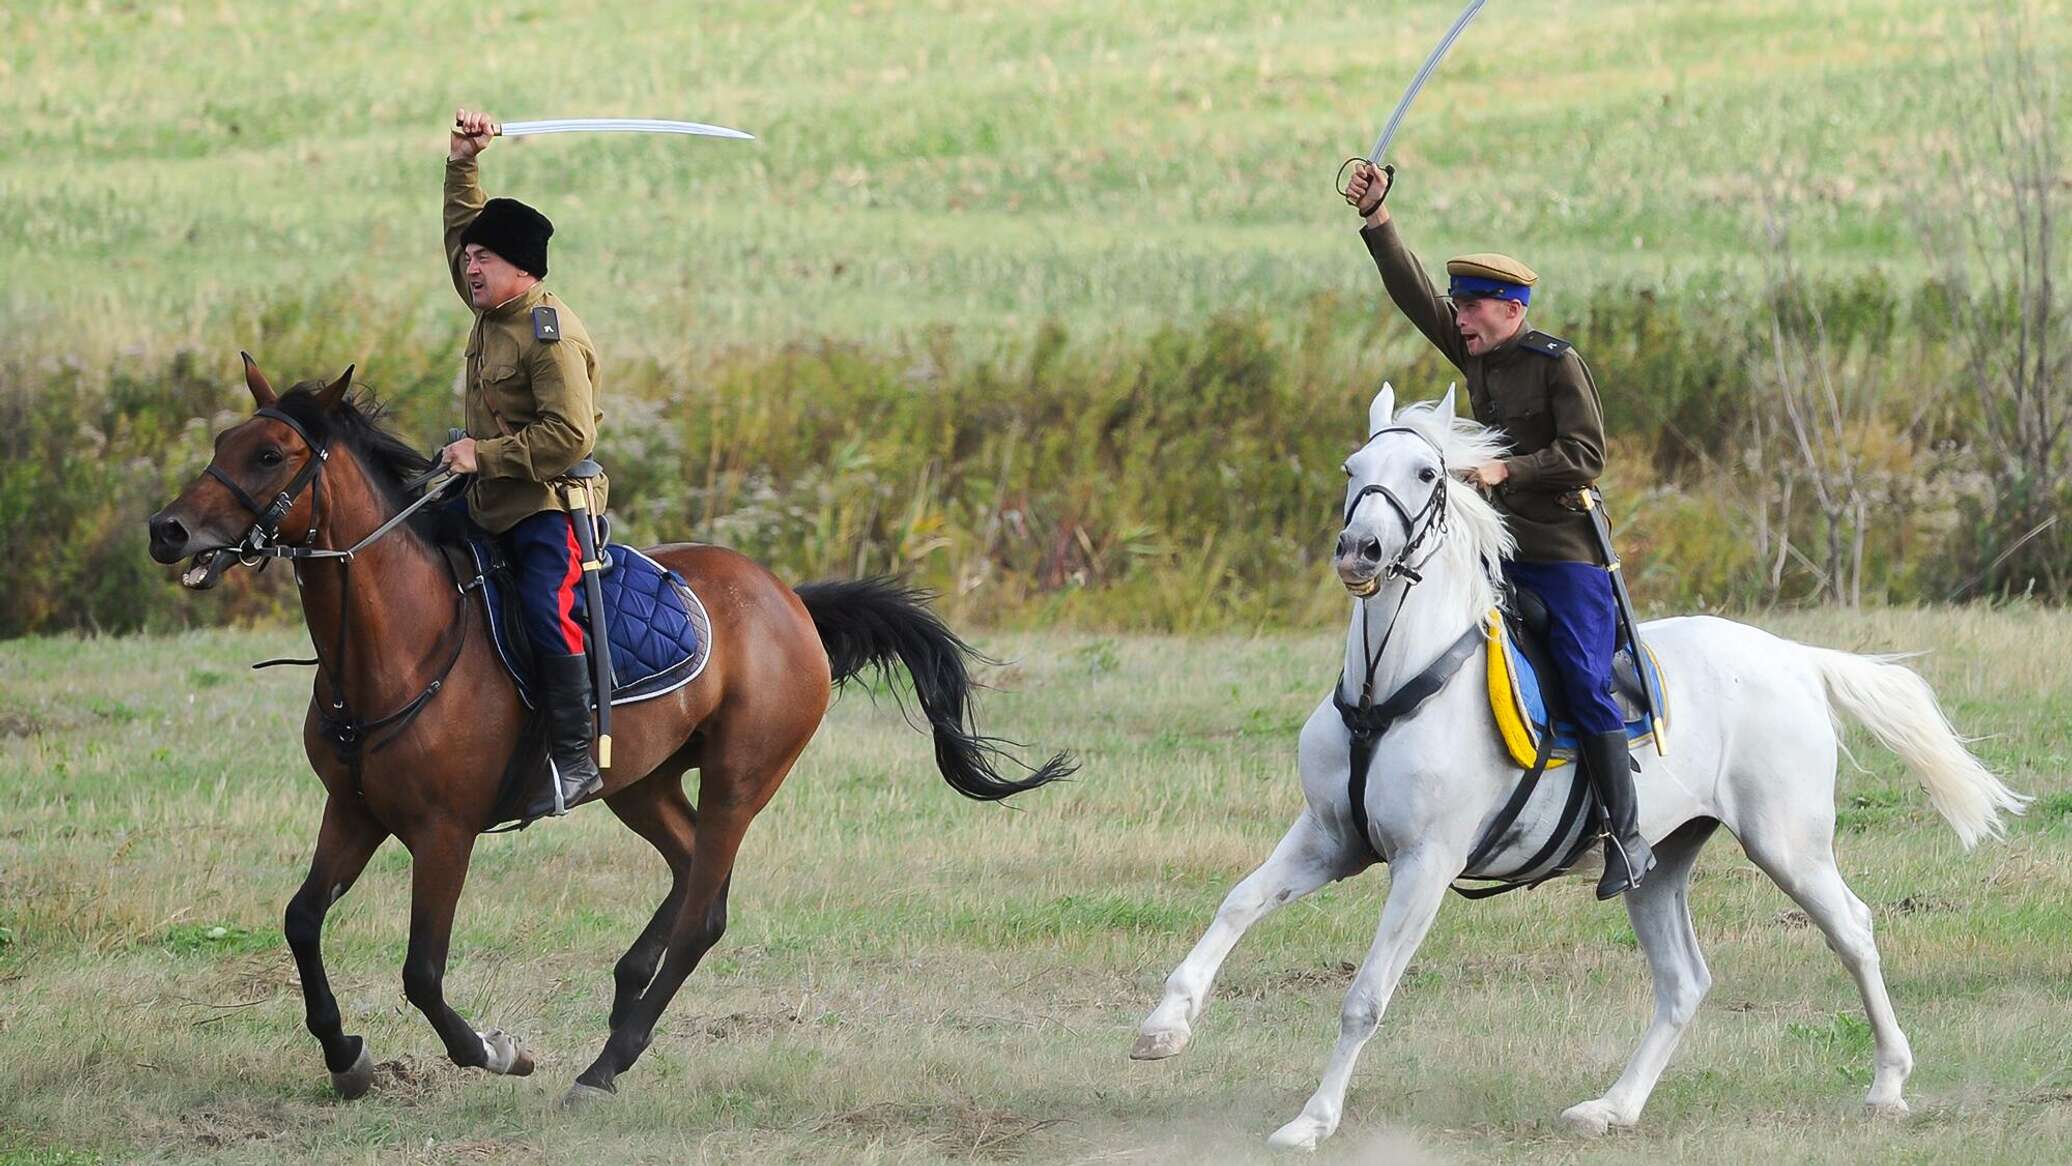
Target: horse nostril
1371,550
167,533
1345,545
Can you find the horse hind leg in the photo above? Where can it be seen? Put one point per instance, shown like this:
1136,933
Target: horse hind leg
1660,909
1306,858
1804,867
742,770
656,809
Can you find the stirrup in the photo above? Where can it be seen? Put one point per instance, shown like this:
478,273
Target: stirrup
1606,888
561,803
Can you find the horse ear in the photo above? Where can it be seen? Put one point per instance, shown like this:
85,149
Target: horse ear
1447,408
330,395
262,389
1383,410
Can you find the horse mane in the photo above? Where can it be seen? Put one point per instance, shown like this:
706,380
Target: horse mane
360,423
1476,541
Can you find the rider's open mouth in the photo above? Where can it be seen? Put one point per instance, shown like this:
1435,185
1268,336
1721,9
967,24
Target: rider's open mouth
204,569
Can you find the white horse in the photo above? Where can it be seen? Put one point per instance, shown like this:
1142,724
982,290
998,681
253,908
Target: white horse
1755,748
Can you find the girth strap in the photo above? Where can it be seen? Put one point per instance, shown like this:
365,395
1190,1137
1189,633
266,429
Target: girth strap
1367,722
1514,807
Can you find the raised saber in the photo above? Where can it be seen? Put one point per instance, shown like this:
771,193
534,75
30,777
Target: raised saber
615,125
1395,122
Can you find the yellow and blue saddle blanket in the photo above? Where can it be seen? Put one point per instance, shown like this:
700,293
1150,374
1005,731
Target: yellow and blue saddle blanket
660,635
1526,712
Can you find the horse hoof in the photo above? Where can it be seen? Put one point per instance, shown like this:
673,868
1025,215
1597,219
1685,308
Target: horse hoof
1892,1110
1592,1119
1157,1046
354,1083
581,1096
503,1055
1300,1134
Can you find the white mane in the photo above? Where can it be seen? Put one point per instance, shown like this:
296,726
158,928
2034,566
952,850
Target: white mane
1476,541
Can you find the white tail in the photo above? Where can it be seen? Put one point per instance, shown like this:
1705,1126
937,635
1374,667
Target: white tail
1899,709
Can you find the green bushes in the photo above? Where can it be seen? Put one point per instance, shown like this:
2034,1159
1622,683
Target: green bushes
1183,480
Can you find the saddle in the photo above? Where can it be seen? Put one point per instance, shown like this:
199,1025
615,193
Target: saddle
660,635
660,640
1527,707
1537,731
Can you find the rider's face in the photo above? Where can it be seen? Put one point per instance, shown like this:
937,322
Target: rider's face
492,279
1486,322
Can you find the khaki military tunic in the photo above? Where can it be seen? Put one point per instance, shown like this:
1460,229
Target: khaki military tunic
1536,390
531,397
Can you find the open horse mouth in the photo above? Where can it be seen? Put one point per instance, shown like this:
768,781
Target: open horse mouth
1363,588
206,569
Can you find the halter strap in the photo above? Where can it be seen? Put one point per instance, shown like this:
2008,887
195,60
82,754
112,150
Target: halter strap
266,520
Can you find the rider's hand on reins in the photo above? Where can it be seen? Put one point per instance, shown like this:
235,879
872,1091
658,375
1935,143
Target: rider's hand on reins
459,456
1473,476
1489,475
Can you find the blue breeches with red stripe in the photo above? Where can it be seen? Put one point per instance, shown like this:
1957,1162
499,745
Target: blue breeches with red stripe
547,566
1582,634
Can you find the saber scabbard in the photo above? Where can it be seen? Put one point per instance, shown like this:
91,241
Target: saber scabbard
584,518
1593,502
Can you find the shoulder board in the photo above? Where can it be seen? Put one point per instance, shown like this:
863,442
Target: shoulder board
545,324
1544,344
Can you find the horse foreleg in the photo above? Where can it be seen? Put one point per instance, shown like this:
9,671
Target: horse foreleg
1306,858
1660,909
347,838
439,868
1417,883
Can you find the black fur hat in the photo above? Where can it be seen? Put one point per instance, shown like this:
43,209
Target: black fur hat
516,232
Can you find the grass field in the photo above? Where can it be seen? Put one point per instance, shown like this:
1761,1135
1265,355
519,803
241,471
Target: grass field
911,978
172,167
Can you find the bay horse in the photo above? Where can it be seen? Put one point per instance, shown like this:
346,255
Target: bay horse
413,719
1756,745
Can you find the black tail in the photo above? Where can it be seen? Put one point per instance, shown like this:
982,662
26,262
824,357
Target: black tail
874,623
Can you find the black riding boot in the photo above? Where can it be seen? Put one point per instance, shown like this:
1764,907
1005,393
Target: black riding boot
565,690
1627,858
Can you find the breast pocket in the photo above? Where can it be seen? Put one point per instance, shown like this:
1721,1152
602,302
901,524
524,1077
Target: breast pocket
1527,422
508,394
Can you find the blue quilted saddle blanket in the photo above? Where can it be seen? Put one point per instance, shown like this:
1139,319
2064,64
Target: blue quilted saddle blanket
660,635
1525,714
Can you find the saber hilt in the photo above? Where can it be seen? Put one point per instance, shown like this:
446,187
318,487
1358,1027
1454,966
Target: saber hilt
1345,186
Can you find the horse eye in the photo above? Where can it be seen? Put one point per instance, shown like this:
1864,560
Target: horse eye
269,457
1427,474
1348,468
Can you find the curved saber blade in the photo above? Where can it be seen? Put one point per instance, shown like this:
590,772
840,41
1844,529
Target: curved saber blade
617,125
1388,132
